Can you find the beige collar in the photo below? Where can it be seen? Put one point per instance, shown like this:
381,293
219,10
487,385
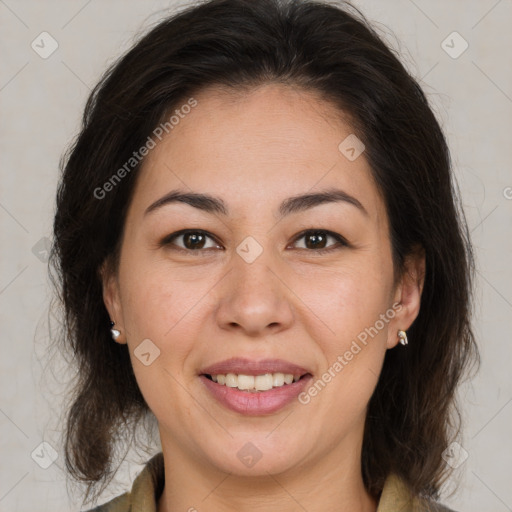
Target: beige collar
148,486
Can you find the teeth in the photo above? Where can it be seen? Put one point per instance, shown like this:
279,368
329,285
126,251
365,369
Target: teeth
245,382
231,380
263,382
278,379
255,383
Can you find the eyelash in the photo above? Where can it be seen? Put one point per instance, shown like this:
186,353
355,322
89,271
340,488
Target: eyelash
341,241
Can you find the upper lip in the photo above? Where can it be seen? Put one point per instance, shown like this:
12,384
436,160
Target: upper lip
240,365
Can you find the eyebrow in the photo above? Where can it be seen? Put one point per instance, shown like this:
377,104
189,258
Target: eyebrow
295,204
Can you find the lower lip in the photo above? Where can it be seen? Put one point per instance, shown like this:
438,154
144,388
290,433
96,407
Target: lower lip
254,404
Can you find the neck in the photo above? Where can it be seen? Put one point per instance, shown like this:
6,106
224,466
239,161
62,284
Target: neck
332,483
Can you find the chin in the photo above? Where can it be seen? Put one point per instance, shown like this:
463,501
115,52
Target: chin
256,454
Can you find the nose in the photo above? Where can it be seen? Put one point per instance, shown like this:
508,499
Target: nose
254,298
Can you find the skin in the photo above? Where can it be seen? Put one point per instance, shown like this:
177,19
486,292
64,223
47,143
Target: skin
254,150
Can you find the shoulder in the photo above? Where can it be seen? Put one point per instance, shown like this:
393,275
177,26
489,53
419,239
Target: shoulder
431,506
145,492
119,504
397,496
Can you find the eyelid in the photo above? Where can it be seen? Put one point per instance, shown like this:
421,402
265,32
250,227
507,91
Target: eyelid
167,240
341,241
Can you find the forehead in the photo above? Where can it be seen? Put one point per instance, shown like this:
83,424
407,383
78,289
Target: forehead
257,147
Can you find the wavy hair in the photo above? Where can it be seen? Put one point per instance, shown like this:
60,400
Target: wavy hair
316,46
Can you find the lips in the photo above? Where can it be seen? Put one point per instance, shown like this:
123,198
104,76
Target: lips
262,401
240,365
259,403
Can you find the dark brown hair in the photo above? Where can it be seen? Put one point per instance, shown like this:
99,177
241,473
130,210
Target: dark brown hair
241,44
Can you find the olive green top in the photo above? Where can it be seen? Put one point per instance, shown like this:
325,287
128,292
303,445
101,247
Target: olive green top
148,486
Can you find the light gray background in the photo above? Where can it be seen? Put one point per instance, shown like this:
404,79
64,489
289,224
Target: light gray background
41,101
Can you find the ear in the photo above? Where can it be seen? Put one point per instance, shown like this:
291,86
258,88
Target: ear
112,299
408,294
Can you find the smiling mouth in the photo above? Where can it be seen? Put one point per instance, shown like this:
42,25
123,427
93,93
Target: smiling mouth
255,383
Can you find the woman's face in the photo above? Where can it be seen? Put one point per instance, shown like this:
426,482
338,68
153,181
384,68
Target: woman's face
247,283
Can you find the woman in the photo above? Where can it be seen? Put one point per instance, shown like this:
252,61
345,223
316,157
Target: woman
258,242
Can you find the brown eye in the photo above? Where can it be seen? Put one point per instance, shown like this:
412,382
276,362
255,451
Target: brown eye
193,240
190,240
316,240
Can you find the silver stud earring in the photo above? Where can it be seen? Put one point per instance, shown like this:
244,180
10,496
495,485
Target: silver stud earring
403,337
115,332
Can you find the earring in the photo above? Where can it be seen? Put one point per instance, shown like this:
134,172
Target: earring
115,332
403,337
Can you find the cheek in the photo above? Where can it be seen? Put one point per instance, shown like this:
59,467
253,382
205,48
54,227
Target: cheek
350,305
156,301
161,309
347,301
